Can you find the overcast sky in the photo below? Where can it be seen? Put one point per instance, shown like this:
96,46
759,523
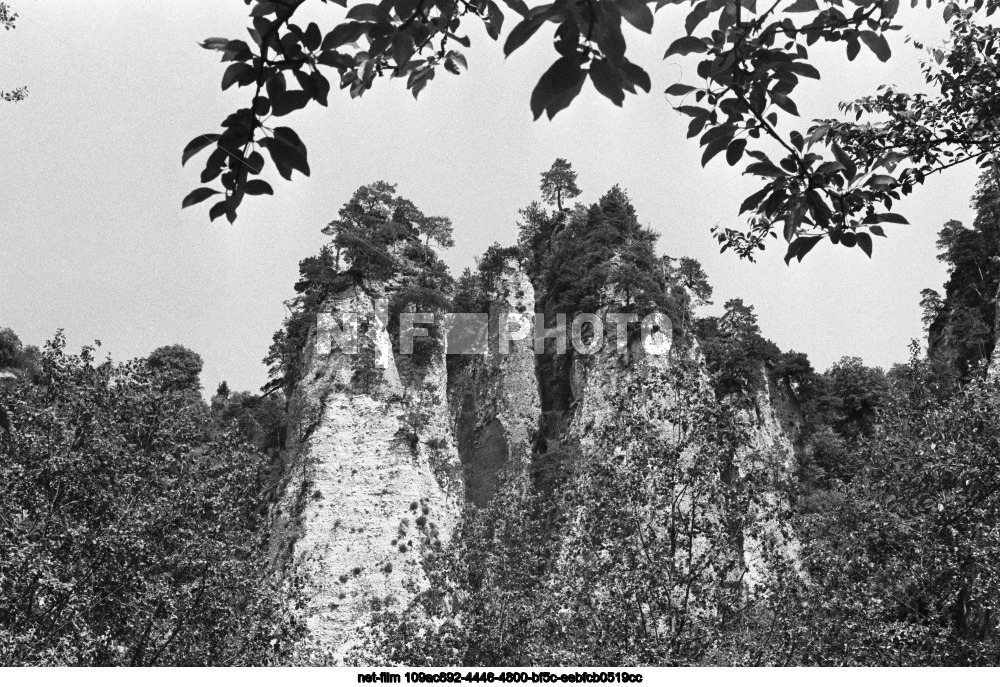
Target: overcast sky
93,240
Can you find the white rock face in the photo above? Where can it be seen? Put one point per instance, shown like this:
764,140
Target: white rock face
776,428
372,482
601,379
382,455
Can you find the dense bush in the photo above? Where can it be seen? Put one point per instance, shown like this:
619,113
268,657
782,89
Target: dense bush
129,533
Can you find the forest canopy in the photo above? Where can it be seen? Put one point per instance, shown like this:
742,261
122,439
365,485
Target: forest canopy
833,179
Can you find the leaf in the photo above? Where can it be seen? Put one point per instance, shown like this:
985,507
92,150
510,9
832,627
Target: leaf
800,247
288,101
817,133
850,169
366,12
882,180
785,103
734,153
313,38
238,72
853,48
343,34
802,69
765,169
520,34
557,87
607,81
258,187
636,13
289,137
518,6
697,15
563,99
686,46
865,243
830,167
716,146
753,201
214,43
636,74
891,217
803,6
218,210
877,43
198,195
680,89
196,145
287,151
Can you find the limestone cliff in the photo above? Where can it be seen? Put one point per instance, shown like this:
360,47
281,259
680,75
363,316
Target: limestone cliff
494,396
384,451
371,475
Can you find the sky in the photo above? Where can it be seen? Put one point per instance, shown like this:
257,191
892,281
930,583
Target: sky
93,239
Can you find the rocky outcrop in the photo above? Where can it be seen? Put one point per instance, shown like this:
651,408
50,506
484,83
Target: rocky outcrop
775,421
384,451
372,480
494,396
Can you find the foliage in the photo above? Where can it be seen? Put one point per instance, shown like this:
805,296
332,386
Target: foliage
378,237
901,559
176,367
258,420
736,355
750,61
129,535
8,19
476,292
961,326
633,560
559,183
604,257
14,356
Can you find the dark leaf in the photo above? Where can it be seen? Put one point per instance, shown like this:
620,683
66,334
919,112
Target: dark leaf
607,81
196,145
877,43
753,201
785,103
696,16
343,34
765,169
238,72
198,195
890,217
636,13
686,46
288,101
803,6
257,187
715,146
218,210
520,34
637,75
850,169
734,153
865,243
801,246
680,89
367,12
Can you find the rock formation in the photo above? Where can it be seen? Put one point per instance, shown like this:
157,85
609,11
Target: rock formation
494,396
371,476
384,452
